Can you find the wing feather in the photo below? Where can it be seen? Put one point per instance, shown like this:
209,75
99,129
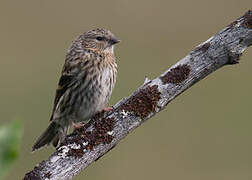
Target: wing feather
64,83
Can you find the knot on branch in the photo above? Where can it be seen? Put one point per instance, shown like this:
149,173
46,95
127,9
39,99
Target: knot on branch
233,58
247,19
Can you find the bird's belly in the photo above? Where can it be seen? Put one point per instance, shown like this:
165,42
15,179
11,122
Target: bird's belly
94,98
89,108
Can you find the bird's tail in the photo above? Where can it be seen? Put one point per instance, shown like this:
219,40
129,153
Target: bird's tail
51,133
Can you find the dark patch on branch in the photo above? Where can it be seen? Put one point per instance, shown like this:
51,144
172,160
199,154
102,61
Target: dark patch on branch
203,47
247,19
144,102
97,135
176,75
241,40
233,58
75,152
35,173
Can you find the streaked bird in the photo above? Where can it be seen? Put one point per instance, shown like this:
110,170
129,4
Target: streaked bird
85,86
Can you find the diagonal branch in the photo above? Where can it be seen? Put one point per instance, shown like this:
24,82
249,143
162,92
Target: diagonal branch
104,131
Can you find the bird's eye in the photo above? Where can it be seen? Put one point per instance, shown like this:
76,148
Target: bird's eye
99,38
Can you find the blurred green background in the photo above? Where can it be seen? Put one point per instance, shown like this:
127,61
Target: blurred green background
203,134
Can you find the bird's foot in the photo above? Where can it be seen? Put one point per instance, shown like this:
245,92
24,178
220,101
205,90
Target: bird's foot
108,109
77,126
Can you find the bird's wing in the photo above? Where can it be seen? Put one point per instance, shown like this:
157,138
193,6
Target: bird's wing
64,83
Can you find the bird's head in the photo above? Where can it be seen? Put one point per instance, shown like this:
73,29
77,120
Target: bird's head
99,39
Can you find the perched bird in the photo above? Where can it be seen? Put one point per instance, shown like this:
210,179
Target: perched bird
85,86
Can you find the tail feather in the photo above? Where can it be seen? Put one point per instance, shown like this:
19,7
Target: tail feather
47,137
59,138
55,141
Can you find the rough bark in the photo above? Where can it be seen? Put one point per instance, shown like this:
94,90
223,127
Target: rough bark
105,130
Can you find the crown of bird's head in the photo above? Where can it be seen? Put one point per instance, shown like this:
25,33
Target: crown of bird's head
99,39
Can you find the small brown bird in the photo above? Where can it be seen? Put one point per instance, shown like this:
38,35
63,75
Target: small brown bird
85,86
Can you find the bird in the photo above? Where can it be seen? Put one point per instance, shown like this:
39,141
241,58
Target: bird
85,86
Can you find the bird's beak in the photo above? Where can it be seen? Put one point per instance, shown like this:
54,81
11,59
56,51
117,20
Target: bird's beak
114,40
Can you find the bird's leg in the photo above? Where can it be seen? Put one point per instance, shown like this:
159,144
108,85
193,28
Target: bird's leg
108,109
76,126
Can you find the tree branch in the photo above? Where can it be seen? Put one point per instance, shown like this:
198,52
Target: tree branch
104,131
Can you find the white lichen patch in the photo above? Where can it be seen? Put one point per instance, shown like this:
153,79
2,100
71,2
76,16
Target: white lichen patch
63,151
146,80
124,114
75,146
54,159
238,24
85,143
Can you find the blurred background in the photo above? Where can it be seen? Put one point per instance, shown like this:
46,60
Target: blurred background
205,133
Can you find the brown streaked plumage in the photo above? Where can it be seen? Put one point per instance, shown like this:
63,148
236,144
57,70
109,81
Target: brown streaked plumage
85,86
